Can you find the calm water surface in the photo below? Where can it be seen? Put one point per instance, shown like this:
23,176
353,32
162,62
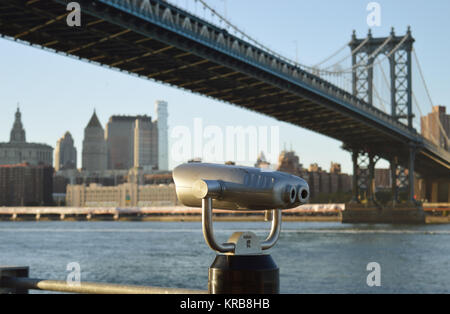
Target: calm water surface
313,257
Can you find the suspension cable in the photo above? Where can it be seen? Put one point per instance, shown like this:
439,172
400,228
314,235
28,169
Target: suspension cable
386,82
416,104
379,98
351,54
429,95
263,47
350,70
332,56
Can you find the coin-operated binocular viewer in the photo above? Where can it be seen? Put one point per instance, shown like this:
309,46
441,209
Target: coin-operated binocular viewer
241,265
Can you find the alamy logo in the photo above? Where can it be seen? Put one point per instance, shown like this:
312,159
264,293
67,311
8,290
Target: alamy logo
374,277
374,17
74,277
74,17
215,144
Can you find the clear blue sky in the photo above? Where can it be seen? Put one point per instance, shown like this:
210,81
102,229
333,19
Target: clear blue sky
58,94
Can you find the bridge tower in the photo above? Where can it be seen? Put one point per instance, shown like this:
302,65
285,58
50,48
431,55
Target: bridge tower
398,50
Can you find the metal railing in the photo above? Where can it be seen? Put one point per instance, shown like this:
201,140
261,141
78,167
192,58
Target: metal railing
14,280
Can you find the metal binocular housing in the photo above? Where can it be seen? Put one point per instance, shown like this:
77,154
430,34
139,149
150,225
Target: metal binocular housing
238,188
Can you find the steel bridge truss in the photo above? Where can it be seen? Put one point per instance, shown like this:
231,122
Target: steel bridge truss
364,175
398,51
363,181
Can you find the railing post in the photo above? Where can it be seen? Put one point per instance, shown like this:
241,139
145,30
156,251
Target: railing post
14,272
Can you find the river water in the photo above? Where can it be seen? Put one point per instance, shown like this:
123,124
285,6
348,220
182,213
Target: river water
313,257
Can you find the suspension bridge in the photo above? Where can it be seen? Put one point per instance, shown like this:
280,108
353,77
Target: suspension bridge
156,40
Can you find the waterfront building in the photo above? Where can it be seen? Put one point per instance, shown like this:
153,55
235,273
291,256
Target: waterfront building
123,195
26,185
431,128
94,146
319,180
17,150
383,179
108,177
65,153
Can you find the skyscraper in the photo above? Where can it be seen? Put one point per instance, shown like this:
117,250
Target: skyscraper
145,143
94,146
119,136
132,142
65,153
163,138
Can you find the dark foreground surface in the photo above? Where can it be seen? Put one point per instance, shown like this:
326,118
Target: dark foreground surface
313,257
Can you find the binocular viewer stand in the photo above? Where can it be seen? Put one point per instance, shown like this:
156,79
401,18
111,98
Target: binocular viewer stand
241,267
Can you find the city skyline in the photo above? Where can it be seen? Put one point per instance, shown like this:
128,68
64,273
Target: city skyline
67,139
94,120
139,132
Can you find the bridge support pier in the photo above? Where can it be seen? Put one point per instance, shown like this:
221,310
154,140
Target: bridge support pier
434,192
355,189
448,194
363,180
371,180
394,186
412,157
364,207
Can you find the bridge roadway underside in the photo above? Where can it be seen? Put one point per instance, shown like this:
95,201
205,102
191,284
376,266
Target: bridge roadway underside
112,38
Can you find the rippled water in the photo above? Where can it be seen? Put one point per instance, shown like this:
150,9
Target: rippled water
313,257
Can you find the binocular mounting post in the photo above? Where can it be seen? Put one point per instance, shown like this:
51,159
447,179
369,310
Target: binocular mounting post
242,267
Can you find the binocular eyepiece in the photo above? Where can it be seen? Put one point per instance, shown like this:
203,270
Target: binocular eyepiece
238,188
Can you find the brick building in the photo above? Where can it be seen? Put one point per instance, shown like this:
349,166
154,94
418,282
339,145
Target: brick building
319,180
383,180
26,185
431,129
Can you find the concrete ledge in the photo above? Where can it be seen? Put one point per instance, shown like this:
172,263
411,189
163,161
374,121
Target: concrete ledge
400,214
437,219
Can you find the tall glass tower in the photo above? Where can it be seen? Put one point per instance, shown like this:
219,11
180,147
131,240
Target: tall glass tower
163,137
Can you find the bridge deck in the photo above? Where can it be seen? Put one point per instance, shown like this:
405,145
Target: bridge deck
173,47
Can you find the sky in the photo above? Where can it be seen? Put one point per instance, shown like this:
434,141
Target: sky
58,93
